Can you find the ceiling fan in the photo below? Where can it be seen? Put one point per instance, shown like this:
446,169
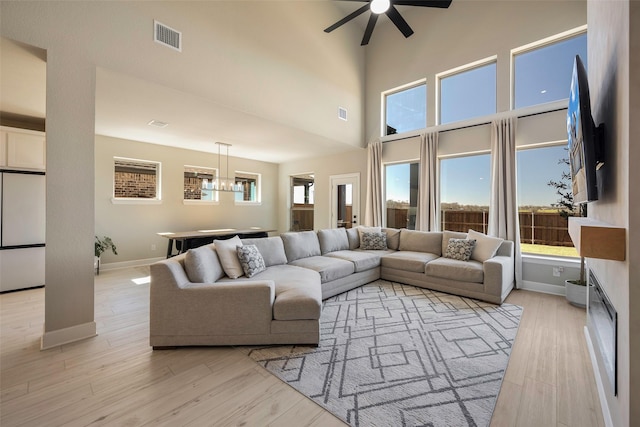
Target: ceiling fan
387,7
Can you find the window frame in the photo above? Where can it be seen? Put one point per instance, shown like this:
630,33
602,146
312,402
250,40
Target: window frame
137,200
547,41
216,194
493,59
258,200
398,89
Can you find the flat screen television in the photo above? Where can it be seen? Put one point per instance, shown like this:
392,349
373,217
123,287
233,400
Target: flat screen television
585,139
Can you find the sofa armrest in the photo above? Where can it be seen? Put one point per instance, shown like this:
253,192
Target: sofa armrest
498,275
179,307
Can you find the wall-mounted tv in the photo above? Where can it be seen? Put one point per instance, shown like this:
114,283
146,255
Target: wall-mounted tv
586,154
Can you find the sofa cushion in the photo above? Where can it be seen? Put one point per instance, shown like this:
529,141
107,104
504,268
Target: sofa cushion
202,265
228,254
361,260
421,241
408,260
486,246
460,249
446,235
393,238
354,238
298,295
328,267
333,239
301,244
271,249
374,241
453,269
250,259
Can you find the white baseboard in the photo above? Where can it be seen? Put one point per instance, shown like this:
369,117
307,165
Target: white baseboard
606,413
65,336
544,288
127,264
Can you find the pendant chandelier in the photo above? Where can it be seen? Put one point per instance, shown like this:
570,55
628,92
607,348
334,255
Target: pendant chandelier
225,183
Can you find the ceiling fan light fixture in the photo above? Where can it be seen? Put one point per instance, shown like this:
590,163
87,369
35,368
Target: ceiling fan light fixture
380,6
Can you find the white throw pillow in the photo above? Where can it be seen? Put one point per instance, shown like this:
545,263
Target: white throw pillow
486,246
228,254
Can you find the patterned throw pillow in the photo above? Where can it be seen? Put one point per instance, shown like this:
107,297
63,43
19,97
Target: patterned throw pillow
460,249
373,241
251,260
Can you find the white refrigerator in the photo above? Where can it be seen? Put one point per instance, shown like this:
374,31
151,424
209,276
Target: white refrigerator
22,229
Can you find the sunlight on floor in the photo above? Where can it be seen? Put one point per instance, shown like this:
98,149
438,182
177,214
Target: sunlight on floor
142,280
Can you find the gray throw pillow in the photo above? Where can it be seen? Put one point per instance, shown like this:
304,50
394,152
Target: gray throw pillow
374,241
202,265
460,249
251,260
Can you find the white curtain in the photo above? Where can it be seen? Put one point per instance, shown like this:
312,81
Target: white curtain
503,209
373,208
427,215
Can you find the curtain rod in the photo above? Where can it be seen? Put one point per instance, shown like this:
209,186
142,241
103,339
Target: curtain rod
522,116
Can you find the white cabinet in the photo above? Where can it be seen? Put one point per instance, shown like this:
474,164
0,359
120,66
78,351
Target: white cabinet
22,149
21,268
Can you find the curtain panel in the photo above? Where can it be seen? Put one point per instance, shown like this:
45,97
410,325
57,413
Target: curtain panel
373,207
503,208
428,214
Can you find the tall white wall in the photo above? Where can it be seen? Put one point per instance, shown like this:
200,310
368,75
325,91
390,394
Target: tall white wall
614,83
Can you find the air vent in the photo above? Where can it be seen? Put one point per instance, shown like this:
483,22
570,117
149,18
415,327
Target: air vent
158,123
167,36
342,113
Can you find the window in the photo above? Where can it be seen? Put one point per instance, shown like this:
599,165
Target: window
302,199
136,179
401,189
405,109
251,187
465,192
468,91
198,184
542,172
542,71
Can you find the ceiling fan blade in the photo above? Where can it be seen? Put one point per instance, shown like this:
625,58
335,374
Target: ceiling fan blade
424,3
367,33
397,19
347,18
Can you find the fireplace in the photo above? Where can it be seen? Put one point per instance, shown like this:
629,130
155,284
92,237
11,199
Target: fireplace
602,321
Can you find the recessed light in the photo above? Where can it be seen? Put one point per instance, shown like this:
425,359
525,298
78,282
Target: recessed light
158,123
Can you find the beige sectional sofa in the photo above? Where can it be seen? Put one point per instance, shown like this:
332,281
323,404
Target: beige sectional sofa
195,300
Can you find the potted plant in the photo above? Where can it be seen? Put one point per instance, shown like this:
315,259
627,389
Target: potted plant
575,289
102,245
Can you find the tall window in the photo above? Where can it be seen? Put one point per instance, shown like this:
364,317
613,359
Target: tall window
405,109
251,187
198,183
401,188
542,71
542,172
136,179
465,192
467,92
302,196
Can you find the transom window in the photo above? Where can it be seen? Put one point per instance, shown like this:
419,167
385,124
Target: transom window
198,184
251,187
468,91
136,179
542,71
405,109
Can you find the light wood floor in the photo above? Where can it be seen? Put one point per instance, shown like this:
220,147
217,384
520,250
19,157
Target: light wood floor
116,379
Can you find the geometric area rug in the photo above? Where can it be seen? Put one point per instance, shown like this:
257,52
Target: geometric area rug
397,355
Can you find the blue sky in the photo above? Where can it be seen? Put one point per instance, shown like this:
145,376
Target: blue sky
542,75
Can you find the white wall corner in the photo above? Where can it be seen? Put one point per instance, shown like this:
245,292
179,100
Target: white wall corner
67,335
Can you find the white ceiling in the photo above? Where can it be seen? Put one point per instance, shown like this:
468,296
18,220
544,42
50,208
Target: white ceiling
125,104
